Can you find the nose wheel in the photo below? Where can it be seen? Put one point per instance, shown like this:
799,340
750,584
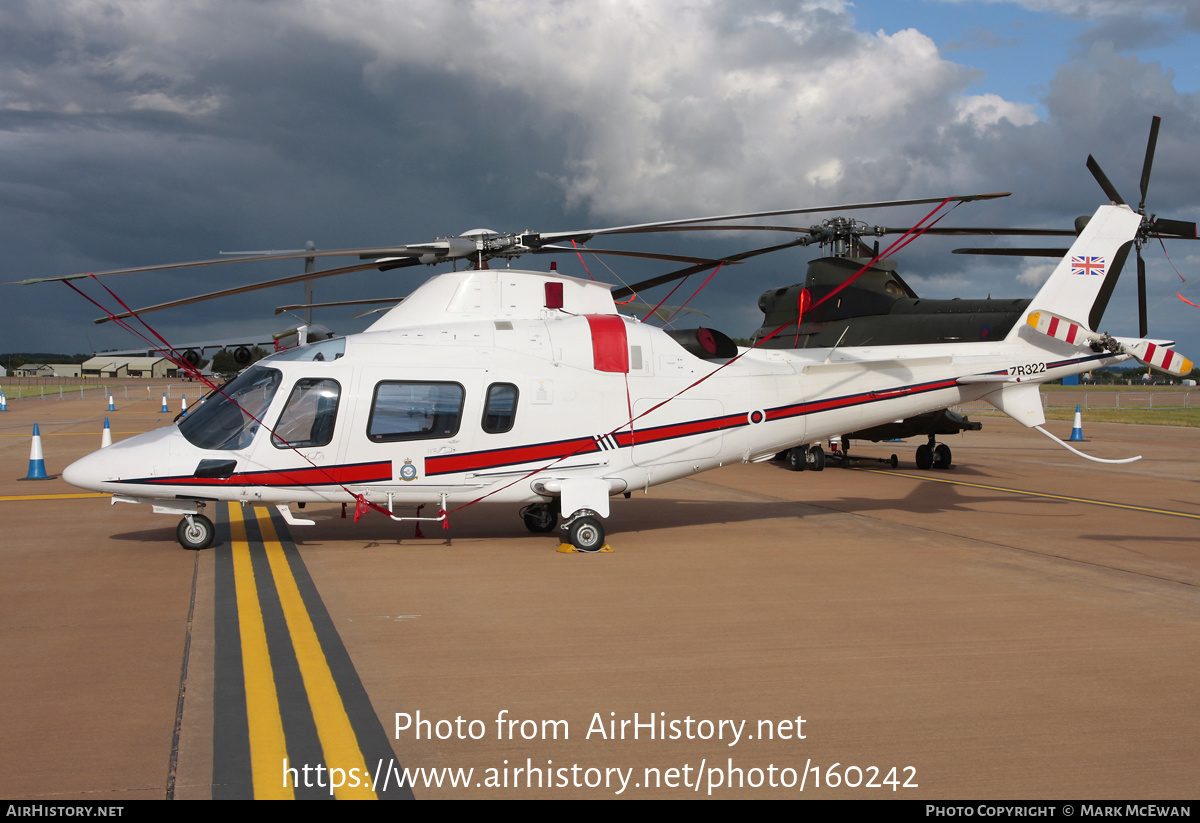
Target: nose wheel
195,532
586,534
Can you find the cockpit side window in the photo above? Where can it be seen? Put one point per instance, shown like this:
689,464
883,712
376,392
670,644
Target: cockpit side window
500,408
307,419
229,419
415,411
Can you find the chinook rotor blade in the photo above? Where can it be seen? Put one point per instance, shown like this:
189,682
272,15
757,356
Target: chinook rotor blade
1149,161
1104,182
1143,326
1013,252
1179,229
626,291
996,232
266,284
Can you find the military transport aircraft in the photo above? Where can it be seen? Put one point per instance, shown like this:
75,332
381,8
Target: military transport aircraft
874,306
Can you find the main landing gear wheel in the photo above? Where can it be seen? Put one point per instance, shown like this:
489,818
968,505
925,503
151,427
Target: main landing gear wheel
924,457
797,458
586,534
941,456
894,461
816,459
540,518
195,532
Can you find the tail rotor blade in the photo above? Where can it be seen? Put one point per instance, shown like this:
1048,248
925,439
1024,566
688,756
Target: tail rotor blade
1160,357
1144,351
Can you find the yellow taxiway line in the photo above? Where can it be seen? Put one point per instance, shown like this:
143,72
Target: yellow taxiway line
338,741
15,497
268,747
1036,494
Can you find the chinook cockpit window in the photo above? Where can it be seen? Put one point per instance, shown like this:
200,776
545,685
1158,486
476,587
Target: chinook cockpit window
307,419
414,411
229,419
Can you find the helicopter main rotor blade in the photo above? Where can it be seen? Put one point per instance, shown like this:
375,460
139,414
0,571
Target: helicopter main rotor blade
626,291
674,258
1150,145
1104,182
375,252
369,302
965,230
952,231
641,227
282,281
725,227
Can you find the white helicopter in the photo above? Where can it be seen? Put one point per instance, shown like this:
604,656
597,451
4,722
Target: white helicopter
532,389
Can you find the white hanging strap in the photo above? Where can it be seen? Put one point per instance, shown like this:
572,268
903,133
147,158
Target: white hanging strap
1071,448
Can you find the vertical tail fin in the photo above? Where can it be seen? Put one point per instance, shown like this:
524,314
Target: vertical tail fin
1084,279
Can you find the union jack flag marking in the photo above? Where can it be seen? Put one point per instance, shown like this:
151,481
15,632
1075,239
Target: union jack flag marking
1087,265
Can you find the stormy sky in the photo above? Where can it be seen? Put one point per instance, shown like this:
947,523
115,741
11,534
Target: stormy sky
137,132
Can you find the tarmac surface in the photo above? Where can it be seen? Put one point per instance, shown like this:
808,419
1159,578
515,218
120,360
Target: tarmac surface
1023,625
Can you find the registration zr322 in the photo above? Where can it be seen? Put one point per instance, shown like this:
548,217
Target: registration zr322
1026,370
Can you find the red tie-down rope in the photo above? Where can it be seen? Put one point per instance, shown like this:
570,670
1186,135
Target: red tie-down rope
1181,277
685,302
904,239
361,504
802,301
910,235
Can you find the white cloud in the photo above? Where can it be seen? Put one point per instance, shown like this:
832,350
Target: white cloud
1036,275
984,110
140,130
686,107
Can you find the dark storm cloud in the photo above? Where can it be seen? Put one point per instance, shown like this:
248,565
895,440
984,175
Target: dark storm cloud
142,133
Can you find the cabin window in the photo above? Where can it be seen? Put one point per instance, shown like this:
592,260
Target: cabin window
307,419
230,418
500,409
414,411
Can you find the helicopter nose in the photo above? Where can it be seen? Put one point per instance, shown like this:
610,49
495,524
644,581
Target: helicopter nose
143,455
86,472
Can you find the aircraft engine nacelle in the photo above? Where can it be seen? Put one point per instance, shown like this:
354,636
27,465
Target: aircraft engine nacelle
242,356
707,344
